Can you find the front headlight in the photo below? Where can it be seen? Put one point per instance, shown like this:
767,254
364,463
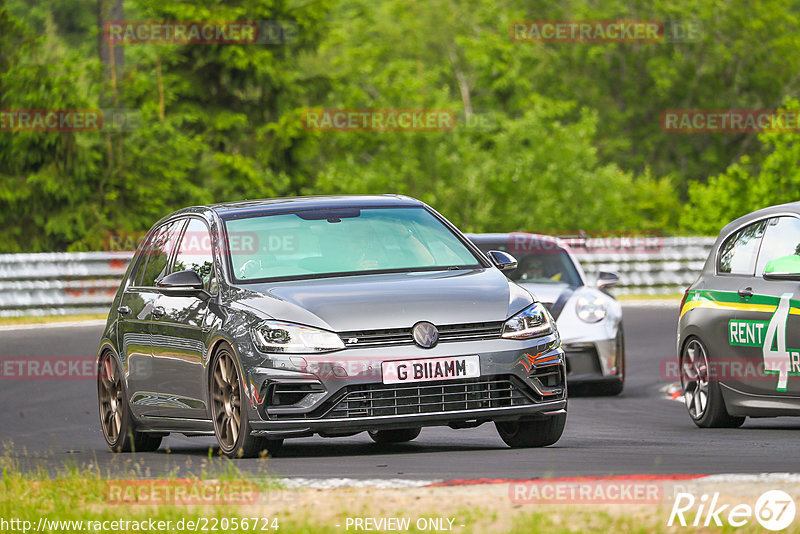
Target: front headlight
590,309
533,321
276,336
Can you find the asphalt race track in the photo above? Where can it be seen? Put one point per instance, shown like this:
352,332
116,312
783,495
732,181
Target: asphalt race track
55,423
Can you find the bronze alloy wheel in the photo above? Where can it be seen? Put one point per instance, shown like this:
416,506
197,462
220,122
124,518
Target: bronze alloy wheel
119,428
226,399
231,425
109,389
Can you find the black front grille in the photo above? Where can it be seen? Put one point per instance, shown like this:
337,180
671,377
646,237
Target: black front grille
376,400
403,336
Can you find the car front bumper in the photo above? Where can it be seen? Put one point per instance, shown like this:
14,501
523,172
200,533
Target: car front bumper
593,361
343,392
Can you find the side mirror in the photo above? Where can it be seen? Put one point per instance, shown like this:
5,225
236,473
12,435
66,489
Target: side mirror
503,260
185,282
606,280
784,268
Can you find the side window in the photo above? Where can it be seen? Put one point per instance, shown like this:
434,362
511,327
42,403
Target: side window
157,252
780,250
739,252
195,253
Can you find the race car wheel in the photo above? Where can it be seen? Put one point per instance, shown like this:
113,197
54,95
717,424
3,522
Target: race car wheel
535,433
115,415
700,392
394,436
231,425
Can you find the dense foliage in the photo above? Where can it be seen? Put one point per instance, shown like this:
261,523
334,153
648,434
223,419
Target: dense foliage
549,137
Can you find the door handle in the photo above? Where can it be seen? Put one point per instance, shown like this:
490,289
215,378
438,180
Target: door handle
159,311
745,292
124,310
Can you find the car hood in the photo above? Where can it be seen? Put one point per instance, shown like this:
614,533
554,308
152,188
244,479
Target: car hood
397,300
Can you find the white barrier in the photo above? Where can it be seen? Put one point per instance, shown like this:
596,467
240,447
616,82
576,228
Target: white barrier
65,283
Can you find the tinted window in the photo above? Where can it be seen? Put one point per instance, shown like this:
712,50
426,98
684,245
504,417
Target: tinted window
739,252
153,265
343,241
781,245
194,251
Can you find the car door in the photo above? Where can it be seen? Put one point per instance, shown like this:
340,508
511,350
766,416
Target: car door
723,294
179,330
135,315
766,334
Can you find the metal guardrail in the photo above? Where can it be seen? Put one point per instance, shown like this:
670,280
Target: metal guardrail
60,283
668,268
67,283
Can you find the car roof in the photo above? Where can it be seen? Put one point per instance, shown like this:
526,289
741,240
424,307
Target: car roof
247,208
771,211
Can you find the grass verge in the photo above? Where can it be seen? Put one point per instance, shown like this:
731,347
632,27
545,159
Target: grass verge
84,499
43,319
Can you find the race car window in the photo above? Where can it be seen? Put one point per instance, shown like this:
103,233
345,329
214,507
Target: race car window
551,265
154,265
780,249
195,253
738,254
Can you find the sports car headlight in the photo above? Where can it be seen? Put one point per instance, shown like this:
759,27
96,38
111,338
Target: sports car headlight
590,309
276,336
533,321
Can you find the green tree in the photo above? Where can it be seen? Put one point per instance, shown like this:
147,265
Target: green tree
748,184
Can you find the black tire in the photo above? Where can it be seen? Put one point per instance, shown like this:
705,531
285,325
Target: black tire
535,433
229,413
394,436
702,393
610,389
116,421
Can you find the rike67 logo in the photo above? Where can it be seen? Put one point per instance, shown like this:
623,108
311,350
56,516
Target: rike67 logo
774,510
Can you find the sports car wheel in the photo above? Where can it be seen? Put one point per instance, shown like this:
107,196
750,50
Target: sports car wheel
700,392
536,433
231,426
115,414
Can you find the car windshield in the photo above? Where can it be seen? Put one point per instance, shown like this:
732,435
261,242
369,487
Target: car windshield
342,241
550,265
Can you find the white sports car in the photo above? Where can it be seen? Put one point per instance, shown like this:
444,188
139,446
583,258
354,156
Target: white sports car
589,319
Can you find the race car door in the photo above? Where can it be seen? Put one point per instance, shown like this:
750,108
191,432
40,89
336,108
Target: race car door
766,332
178,331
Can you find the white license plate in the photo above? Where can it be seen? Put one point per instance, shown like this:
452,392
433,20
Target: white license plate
407,371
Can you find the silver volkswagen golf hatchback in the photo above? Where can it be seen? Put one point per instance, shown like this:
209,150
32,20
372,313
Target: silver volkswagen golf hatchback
257,321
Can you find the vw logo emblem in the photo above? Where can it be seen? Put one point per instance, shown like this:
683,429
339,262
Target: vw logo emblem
426,335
